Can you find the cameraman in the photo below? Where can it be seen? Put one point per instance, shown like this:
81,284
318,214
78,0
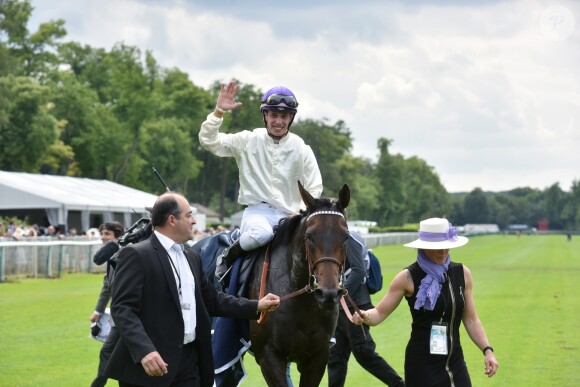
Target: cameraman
110,232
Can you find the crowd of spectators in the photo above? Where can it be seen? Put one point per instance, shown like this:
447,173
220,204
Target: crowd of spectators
201,234
11,231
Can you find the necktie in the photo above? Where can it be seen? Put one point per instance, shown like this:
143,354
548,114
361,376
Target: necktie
187,298
177,248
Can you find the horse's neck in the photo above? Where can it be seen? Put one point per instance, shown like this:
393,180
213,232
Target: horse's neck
299,271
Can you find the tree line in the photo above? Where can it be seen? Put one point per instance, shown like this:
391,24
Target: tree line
72,109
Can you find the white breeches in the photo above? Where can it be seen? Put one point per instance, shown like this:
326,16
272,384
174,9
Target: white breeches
257,225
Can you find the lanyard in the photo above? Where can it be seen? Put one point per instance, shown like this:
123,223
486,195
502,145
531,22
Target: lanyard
176,271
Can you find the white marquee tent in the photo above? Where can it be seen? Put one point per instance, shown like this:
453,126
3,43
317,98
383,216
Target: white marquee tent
71,201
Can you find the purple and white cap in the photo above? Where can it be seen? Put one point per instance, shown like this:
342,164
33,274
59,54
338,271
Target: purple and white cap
437,234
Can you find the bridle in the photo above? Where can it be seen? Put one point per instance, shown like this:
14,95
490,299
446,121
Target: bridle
341,268
313,282
311,265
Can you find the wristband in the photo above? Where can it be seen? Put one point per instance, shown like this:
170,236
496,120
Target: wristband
486,348
219,109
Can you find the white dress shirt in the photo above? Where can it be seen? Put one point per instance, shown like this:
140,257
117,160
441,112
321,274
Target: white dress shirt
184,278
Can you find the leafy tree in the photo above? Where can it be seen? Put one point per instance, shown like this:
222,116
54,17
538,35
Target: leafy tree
180,99
90,128
34,52
329,144
554,204
571,210
527,205
364,188
89,65
389,174
501,208
26,128
457,215
30,130
422,185
169,150
129,94
58,160
182,107
475,207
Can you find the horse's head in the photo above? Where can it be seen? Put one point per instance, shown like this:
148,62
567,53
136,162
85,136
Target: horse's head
325,237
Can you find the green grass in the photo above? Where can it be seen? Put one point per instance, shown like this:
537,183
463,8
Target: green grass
527,293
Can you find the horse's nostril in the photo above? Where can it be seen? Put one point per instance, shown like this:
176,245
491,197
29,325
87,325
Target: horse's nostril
327,295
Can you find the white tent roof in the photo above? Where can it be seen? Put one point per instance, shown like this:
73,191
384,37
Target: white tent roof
27,190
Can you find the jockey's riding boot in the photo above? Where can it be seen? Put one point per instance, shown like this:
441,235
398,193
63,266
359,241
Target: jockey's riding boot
225,261
233,252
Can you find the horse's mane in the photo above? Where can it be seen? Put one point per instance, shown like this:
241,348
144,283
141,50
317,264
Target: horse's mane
287,226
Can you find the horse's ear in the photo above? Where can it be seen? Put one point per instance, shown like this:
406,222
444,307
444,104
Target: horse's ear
306,197
343,197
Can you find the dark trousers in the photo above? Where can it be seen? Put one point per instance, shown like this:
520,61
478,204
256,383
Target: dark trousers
104,356
350,339
188,371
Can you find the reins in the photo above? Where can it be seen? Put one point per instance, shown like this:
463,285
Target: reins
265,268
347,311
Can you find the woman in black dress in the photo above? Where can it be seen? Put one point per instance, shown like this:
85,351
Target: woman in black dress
439,294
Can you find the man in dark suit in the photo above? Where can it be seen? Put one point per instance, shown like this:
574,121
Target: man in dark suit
161,304
350,337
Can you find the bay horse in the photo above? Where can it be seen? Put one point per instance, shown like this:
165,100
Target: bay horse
304,267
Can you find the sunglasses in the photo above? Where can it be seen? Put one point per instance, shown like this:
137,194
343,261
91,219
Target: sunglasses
277,99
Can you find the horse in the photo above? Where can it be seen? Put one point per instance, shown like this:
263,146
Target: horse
304,265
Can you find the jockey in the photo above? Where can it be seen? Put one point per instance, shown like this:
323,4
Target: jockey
270,160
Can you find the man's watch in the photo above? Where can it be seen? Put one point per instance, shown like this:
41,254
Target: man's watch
486,348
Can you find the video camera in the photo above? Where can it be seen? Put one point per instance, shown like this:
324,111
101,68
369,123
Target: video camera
139,231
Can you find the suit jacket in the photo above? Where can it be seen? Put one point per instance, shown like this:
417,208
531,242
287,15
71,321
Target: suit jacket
146,309
104,296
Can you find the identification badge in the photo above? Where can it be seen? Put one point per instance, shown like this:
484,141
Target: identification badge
186,312
438,340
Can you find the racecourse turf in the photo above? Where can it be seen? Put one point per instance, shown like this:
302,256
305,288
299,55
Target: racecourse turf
526,290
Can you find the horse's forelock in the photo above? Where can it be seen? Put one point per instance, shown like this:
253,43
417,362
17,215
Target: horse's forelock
323,204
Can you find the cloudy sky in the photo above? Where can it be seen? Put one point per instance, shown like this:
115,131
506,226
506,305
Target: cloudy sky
486,92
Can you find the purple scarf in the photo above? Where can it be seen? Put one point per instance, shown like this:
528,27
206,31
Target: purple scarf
430,287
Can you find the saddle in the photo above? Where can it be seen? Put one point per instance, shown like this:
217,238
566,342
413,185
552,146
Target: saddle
211,248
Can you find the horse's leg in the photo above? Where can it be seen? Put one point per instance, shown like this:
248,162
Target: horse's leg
312,370
273,368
